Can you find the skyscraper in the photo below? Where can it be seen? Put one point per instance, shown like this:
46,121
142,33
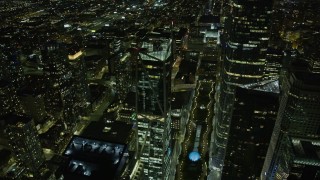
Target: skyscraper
56,70
250,131
79,80
32,98
296,132
293,148
25,144
67,89
11,78
153,110
11,68
8,98
244,44
246,36
223,108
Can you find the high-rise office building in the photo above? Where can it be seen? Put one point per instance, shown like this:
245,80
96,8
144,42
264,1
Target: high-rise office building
11,68
244,44
56,70
153,110
246,36
23,139
250,131
9,100
274,61
295,140
292,151
67,89
123,73
11,78
32,99
223,108
79,80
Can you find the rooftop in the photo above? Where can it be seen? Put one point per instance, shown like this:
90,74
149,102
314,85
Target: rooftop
209,19
100,151
117,131
93,159
157,49
180,99
271,86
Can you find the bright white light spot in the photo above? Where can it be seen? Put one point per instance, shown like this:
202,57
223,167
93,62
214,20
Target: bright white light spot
68,152
116,161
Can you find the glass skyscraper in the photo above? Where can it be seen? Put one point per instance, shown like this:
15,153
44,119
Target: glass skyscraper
246,37
297,124
153,109
244,44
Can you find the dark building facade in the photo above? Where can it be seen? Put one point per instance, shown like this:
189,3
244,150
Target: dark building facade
32,100
246,36
67,91
8,96
250,131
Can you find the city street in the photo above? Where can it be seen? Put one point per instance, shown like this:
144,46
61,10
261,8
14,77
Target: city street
201,114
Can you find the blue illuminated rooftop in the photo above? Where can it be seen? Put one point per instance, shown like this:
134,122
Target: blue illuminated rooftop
92,158
194,156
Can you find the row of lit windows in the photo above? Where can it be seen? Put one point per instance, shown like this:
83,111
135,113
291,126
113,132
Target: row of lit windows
258,31
260,62
243,75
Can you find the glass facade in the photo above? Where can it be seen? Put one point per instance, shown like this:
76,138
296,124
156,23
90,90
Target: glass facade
298,117
153,106
246,37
